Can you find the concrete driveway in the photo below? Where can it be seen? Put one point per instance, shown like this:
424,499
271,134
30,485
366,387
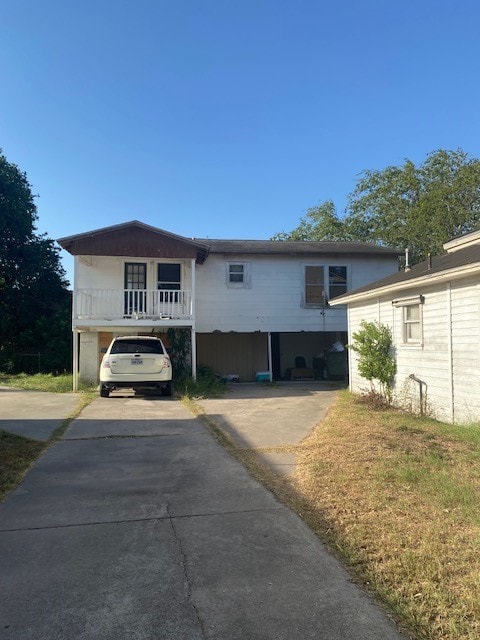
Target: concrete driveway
266,417
138,525
34,414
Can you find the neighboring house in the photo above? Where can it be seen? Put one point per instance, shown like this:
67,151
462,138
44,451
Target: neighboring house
249,305
433,310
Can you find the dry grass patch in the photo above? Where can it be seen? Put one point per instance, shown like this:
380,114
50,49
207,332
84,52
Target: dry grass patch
399,498
16,455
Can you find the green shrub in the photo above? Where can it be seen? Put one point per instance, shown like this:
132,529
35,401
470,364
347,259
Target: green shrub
373,343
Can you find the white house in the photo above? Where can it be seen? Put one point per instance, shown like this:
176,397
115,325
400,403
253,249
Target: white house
249,305
433,310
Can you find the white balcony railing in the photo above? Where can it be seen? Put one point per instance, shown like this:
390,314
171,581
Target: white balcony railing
141,304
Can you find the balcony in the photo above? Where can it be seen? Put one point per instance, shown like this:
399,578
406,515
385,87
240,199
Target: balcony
132,304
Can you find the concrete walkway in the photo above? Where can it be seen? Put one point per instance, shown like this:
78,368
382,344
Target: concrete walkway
138,525
34,414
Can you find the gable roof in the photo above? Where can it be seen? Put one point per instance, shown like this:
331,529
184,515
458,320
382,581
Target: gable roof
461,259
134,239
297,247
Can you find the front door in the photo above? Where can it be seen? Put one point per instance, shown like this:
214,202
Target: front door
135,288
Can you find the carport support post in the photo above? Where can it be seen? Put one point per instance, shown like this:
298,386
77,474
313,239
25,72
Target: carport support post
270,356
194,353
75,360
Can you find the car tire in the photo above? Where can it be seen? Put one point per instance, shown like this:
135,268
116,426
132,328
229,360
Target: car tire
104,391
167,389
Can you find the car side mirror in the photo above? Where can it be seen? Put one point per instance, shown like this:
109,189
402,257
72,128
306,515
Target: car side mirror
103,350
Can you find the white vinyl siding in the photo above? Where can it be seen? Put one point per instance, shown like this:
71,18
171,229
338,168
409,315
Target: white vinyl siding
448,357
275,299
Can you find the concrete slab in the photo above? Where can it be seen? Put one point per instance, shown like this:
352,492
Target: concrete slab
110,581
34,414
133,416
264,415
257,415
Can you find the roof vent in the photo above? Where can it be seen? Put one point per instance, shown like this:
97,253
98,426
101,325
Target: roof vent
407,259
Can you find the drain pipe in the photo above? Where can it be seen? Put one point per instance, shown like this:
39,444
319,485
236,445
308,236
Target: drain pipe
413,377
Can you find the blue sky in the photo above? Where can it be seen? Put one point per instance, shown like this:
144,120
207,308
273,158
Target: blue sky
222,118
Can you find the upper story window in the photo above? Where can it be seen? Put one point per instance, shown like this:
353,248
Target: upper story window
412,319
238,274
323,283
337,281
169,276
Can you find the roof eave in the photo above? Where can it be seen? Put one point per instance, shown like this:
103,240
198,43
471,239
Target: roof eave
449,274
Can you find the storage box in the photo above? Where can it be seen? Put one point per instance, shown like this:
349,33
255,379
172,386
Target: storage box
263,376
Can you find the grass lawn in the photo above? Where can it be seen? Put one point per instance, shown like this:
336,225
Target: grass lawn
398,499
42,382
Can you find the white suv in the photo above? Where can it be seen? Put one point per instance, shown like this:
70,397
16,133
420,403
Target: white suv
136,362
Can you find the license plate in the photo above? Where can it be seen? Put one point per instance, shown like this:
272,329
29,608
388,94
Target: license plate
137,361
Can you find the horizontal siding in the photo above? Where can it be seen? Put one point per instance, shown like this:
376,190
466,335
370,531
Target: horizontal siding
466,351
273,302
432,361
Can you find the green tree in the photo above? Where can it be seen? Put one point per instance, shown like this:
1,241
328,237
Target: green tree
419,207
415,206
319,223
34,299
373,343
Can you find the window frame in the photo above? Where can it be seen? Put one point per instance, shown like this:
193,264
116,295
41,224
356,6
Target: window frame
325,285
245,283
405,305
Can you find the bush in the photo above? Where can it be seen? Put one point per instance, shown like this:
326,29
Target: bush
373,343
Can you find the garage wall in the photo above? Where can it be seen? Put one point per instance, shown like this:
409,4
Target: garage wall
242,354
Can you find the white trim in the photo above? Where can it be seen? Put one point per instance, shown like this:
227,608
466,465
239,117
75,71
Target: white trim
406,302
246,283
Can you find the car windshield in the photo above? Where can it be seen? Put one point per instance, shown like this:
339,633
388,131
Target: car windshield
137,346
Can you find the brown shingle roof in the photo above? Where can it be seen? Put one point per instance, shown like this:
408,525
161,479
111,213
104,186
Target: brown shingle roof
300,247
439,264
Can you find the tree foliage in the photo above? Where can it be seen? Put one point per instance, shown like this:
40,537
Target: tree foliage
319,223
34,300
415,206
373,343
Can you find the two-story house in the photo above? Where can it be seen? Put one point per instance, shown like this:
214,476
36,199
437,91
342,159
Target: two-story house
249,305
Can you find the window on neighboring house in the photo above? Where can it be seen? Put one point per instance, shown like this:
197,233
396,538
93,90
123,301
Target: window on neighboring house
411,309
323,283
